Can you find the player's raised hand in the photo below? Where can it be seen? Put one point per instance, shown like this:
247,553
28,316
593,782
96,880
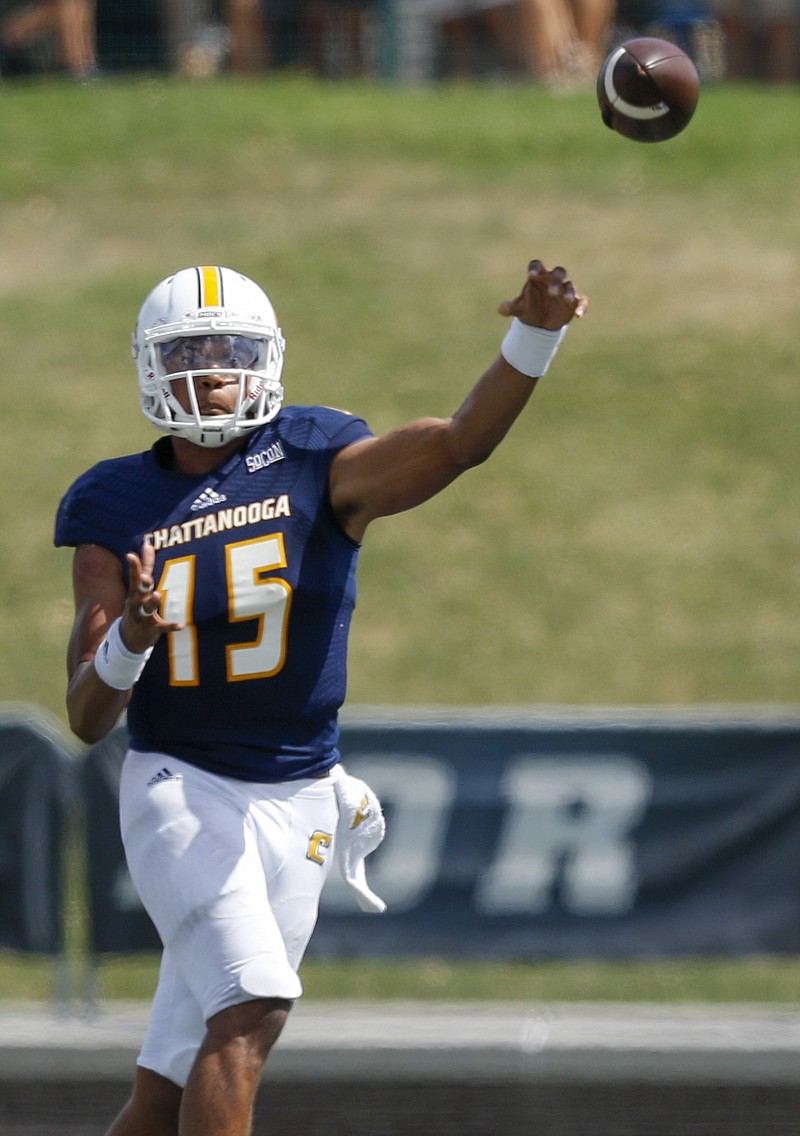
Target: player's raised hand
142,624
548,299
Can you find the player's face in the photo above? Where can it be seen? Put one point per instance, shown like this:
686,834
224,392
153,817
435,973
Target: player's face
215,363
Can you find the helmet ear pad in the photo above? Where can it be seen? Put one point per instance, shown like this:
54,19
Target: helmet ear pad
208,301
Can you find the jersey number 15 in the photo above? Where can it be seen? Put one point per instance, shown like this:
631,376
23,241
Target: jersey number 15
252,594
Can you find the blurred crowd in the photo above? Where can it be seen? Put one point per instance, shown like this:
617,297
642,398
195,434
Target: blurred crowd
557,42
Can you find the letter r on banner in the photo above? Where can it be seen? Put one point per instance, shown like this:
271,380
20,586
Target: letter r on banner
568,823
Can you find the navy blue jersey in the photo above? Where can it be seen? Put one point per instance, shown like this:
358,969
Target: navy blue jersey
251,559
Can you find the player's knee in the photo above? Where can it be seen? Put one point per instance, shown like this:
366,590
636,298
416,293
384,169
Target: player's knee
255,1024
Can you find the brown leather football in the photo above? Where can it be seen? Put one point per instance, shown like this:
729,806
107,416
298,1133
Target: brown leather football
648,89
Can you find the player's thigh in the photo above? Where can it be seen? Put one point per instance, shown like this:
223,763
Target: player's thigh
183,836
175,1029
194,858
296,824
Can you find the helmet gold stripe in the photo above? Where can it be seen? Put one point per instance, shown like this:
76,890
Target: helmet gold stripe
210,286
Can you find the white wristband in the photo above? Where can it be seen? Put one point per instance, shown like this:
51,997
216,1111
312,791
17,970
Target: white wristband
531,349
116,665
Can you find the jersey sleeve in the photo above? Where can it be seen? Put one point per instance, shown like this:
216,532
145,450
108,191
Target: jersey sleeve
335,429
92,510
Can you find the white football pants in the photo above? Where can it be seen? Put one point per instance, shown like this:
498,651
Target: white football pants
230,872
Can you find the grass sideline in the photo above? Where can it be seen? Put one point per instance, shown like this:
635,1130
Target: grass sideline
721,981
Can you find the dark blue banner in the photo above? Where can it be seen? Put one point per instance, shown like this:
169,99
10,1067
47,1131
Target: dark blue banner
37,793
117,921
578,835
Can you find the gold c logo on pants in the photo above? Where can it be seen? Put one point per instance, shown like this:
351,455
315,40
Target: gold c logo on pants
318,844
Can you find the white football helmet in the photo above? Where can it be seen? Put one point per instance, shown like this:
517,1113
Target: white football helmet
202,322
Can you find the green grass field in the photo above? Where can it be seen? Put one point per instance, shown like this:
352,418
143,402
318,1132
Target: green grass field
634,541
757,980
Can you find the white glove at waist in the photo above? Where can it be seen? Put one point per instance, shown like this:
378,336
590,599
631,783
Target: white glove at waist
360,830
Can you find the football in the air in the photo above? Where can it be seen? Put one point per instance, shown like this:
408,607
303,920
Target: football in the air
648,89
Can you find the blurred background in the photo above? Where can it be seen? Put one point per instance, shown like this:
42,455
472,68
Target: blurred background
552,41
573,677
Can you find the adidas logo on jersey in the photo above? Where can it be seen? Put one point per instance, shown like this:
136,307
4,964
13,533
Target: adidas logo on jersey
164,775
208,498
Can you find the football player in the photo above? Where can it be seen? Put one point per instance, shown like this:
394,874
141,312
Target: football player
214,581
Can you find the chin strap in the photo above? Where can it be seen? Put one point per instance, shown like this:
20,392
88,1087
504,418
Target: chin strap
360,831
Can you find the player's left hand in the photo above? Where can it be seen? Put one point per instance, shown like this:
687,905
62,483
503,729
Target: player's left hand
142,625
548,299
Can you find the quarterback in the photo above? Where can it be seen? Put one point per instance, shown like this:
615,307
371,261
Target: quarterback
214,583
